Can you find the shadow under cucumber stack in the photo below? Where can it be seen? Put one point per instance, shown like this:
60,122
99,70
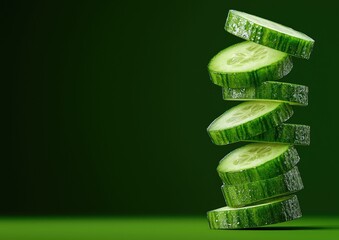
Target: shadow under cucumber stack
260,178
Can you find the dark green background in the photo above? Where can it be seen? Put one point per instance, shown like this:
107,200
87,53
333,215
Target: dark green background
106,105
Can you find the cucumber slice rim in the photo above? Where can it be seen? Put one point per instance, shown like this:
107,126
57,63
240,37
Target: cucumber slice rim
269,33
287,133
261,191
273,91
280,210
273,26
266,202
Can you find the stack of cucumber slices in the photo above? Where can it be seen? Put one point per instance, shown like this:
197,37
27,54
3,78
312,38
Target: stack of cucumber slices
260,178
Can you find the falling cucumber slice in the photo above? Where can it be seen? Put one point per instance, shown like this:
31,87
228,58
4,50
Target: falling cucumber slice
293,94
247,120
257,161
255,192
268,33
295,134
248,64
280,210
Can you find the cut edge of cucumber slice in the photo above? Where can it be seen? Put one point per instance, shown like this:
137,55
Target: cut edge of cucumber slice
287,133
272,25
268,202
280,210
269,33
260,191
292,94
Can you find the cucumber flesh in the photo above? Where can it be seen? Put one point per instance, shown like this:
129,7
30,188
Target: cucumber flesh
293,94
268,33
255,192
257,161
295,134
248,64
280,210
247,120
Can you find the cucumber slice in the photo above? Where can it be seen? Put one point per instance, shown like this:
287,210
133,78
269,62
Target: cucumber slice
246,120
255,192
293,94
281,210
257,161
269,34
248,64
295,134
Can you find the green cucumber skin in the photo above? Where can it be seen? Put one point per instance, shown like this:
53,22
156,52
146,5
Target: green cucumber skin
271,72
255,192
285,92
252,128
248,30
275,167
295,134
275,212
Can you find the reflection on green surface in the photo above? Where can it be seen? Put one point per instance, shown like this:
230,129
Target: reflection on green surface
159,228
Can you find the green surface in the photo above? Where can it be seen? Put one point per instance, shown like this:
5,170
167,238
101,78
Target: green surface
309,228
